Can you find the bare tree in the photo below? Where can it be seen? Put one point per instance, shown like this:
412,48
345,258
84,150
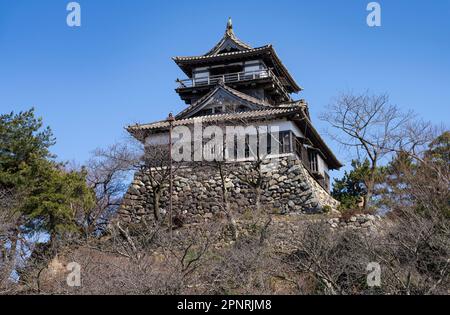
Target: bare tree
370,125
415,140
336,260
157,168
414,254
226,205
250,172
134,259
416,251
253,175
108,173
412,246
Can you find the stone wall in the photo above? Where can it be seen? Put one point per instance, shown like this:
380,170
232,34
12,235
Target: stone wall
358,221
285,230
288,188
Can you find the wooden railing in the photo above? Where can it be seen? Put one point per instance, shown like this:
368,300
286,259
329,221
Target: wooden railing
231,78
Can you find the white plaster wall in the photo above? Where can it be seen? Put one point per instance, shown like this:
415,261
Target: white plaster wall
282,124
157,139
285,125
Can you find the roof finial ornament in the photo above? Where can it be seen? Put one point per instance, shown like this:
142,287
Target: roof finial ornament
229,27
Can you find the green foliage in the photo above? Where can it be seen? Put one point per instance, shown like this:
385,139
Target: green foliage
55,196
350,188
439,149
418,184
326,209
439,154
51,195
23,141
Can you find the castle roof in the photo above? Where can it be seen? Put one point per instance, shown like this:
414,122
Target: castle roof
221,87
259,114
229,41
295,111
231,48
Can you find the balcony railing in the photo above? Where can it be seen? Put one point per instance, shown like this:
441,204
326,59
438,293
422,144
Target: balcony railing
231,78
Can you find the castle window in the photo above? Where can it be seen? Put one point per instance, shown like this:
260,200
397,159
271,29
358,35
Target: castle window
254,66
247,146
285,142
313,162
269,143
201,77
235,147
298,146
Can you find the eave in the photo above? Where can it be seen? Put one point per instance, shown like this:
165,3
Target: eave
141,131
313,135
268,52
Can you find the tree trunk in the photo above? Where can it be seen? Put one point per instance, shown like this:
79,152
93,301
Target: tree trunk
370,183
156,203
258,192
228,213
226,203
10,257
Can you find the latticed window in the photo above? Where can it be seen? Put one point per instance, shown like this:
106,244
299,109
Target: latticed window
313,162
285,142
269,143
247,146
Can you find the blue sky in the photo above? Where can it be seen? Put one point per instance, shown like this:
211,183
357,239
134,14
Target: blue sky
116,69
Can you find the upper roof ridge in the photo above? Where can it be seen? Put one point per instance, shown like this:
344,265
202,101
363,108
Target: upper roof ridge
229,34
229,30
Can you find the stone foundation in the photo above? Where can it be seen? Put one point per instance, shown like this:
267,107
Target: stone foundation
357,221
197,194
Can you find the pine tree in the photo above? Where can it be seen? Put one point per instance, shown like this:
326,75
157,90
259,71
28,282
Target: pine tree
50,196
351,187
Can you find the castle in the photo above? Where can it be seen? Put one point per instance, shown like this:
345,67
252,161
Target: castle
234,84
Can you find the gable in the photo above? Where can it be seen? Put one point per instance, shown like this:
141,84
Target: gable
227,45
222,100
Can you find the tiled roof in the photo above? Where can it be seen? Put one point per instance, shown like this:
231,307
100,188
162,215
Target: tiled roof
246,97
285,110
229,34
241,52
264,113
242,96
184,61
